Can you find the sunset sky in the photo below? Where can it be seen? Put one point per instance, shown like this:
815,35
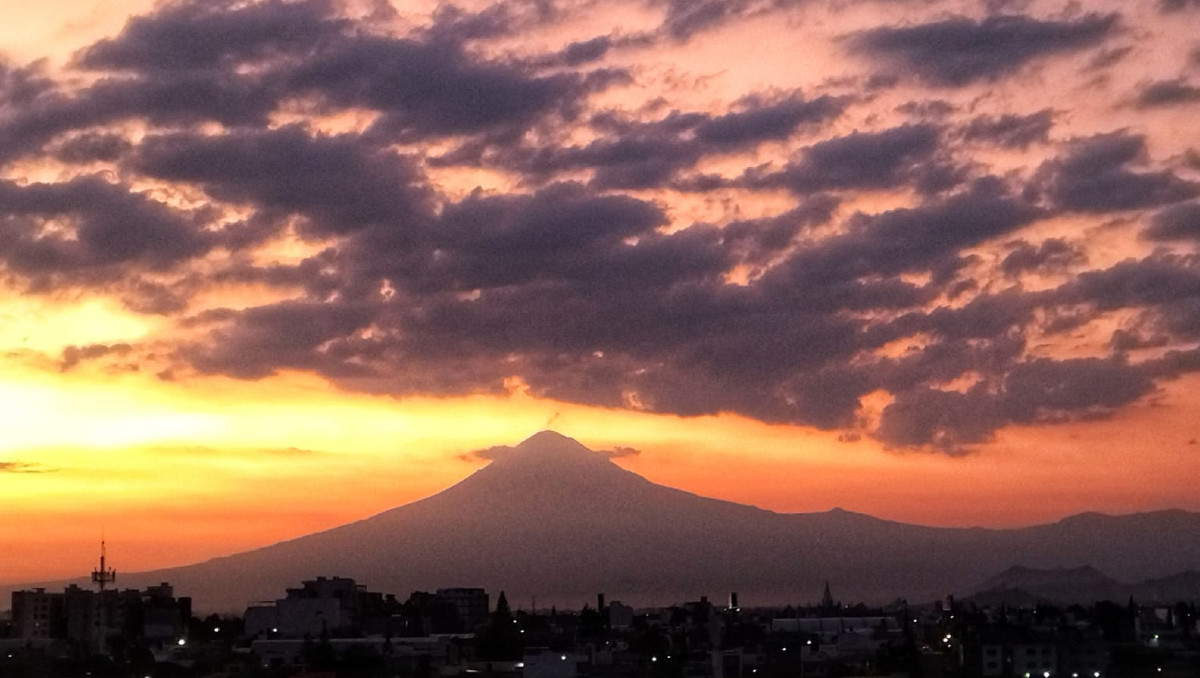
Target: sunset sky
270,267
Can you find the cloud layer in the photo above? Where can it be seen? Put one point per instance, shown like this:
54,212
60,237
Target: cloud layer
886,252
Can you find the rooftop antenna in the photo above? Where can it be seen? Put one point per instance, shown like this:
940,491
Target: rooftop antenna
103,576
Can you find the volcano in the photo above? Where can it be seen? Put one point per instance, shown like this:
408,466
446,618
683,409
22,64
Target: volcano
554,520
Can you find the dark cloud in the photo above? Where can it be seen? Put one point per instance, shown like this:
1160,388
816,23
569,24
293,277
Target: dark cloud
1011,131
487,453
452,23
191,36
644,161
339,183
861,160
288,335
1050,390
756,241
87,227
586,51
706,352
1035,391
23,85
563,230
685,18
431,89
1053,255
908,239
952,356
73,355
1123,341
621,452
498,451
142,295
946,420
1095,175
237,63
1159,280
958,51
91,147
761,120
1167,93
1178,222
1163,289
631,154
23,467
934,109
172,99
1109,57
1177,5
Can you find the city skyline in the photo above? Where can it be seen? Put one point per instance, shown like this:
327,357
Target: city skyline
267,268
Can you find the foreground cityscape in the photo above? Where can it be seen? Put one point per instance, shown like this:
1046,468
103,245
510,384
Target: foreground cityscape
335,627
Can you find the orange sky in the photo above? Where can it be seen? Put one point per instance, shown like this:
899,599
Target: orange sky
174,464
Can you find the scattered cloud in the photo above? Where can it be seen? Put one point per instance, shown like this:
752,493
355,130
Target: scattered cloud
1011,131
1053,254
1098,174
1167,93
621,452
73,355
1177,5
958,51
486,454
23,467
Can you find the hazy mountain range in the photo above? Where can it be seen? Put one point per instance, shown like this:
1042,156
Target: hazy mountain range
552,519
1024,586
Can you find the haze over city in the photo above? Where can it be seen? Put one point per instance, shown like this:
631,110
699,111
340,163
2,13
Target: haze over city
267,268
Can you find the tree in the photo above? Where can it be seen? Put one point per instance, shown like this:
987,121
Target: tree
500,640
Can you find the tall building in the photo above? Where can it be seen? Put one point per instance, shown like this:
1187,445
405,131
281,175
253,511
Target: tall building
90,618
471,603
37,614
321,605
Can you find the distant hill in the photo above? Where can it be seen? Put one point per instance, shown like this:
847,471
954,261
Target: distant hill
553,519
1030,578
1013,598
1184,586
1022,586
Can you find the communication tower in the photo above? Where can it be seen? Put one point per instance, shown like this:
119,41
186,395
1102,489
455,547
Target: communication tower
103,576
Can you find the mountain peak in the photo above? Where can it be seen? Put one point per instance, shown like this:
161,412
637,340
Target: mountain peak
549,449
551,441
